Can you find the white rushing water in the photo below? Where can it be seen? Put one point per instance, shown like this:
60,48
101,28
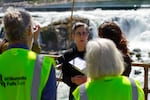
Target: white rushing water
134,23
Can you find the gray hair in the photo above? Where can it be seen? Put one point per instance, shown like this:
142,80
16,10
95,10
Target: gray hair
16,24
103,59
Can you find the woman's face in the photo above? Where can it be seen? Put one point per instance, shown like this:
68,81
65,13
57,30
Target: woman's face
80,37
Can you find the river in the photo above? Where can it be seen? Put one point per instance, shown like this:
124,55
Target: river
134,23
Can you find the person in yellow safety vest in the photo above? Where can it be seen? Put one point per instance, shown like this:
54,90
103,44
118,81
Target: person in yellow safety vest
24,75
104,68
35,46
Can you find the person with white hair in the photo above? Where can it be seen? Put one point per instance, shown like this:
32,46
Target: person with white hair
104,68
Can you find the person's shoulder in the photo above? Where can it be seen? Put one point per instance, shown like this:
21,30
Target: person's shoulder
67,55
47,59
127,58
68,51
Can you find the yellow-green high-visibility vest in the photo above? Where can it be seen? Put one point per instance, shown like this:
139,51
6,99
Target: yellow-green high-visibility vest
23,74
110,88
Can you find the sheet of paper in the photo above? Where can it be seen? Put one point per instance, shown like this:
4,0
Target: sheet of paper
78,63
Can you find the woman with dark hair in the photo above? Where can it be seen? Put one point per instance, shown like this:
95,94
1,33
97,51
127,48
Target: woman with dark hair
71,76
111,30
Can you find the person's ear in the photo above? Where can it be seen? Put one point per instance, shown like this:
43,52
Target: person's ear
29,31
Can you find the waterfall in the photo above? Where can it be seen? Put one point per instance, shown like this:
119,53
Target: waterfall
134,23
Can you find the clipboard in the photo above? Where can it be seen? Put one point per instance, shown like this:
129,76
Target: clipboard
79,64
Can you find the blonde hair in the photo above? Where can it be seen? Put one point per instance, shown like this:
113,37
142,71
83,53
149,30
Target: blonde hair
103,59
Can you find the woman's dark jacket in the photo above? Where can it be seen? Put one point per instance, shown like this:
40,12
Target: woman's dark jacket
68,70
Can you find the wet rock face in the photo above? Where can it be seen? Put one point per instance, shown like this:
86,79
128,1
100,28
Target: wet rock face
56,36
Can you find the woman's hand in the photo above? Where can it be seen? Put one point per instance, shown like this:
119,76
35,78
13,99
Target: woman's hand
79,79
36,33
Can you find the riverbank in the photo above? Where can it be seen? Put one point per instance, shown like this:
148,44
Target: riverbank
26,5
78,5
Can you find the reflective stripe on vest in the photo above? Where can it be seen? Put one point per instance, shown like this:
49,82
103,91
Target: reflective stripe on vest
134,90
36,77
83,94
